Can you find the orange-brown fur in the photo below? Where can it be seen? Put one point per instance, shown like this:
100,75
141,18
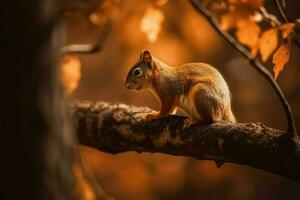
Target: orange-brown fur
197,88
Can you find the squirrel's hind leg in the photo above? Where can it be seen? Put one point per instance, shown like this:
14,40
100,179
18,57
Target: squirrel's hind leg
208,105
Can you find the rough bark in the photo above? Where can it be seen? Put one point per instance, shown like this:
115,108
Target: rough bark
117,128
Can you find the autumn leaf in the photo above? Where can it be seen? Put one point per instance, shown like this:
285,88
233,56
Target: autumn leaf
160,2
70,73
227,22
286,29
280,58
98,17
106,9
243,18
151,23
253,51
234,16
248,33
251,3
267,43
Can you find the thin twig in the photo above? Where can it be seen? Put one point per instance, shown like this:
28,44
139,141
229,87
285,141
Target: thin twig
90,48
281,12
254,62
90,176
269,17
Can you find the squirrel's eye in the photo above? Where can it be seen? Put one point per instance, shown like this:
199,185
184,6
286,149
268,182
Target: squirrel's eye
137,72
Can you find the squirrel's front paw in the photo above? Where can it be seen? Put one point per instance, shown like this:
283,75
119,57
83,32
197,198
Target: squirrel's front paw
152,116
188,122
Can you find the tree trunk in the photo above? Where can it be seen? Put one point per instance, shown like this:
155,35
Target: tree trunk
36,145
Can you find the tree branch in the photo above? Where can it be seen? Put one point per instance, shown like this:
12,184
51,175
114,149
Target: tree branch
90,48
254,62
117,128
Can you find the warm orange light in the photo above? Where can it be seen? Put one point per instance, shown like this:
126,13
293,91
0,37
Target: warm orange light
151,23
70,73
83,188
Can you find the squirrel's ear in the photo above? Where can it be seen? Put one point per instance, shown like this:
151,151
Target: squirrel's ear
146,56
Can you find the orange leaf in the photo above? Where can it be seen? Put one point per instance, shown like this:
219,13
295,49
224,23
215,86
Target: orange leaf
227,22
98,17
234,16
106,9
280,58
286,29
253,51
160,2
248,33
252,3
267,43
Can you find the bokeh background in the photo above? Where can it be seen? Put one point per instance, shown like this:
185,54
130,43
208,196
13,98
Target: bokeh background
184,36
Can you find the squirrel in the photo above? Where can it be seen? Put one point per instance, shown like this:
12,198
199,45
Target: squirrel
196,88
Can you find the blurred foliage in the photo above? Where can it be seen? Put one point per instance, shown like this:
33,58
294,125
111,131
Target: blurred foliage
70,73
246,18
151,23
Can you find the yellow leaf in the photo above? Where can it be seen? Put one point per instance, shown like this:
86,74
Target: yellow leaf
151,23
248,33
267,43
286,29
70,73
280,58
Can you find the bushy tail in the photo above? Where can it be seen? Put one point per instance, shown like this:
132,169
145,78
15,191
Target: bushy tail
228,116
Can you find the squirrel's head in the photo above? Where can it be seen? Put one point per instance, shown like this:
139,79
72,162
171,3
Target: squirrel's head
140,75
